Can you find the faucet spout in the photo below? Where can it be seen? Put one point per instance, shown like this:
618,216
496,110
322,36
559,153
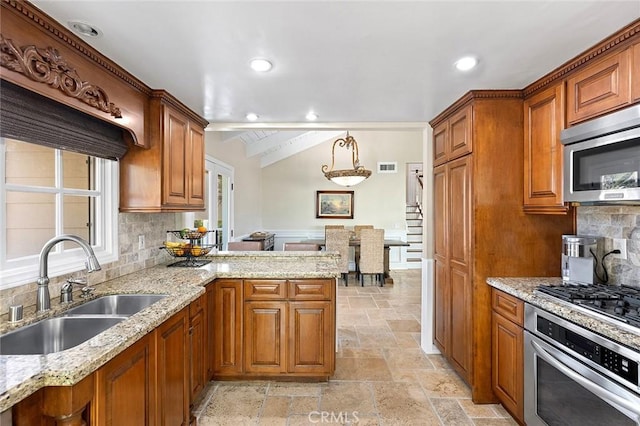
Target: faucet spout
43,301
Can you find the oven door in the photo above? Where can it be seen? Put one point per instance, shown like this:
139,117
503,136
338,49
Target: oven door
560,390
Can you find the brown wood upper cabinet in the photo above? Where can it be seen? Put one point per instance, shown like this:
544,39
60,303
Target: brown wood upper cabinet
599,87
508,346
452,137
169,176
543,121
635,73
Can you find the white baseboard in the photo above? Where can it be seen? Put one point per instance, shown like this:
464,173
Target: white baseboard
426,319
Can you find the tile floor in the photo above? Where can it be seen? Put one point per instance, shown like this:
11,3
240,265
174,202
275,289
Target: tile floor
382,376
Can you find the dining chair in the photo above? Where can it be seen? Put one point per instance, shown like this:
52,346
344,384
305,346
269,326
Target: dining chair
337,240
356,231
244,246
327,227
371,255
293,246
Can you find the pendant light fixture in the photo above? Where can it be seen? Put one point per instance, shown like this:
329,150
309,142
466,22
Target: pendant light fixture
347,177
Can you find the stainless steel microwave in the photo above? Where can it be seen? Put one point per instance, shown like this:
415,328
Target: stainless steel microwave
602,159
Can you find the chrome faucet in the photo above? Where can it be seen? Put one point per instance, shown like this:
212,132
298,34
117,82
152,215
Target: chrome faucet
66,292
43,302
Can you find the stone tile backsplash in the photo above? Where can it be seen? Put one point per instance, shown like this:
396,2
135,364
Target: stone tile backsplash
615,222
130,225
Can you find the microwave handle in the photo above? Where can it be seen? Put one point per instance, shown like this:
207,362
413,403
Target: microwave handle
601,392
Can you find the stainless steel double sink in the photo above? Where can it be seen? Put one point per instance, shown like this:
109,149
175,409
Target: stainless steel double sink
76,326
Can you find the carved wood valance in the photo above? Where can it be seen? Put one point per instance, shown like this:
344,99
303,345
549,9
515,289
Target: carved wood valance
47,66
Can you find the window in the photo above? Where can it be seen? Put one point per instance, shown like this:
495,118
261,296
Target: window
46,192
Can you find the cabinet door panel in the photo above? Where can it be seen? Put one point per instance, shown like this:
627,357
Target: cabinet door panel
460,137
310,342
211,343
228,327
175,158
440,200
599,88
507,364
635,73
543,121
195,170
461,346
197,346
440,141
265,337
459,211
441,315
173,370
125,387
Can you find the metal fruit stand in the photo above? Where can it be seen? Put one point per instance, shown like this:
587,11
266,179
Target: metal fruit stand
191,251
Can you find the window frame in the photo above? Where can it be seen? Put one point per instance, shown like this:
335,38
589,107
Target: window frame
26,269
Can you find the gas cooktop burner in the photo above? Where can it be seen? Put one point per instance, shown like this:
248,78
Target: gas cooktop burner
621,303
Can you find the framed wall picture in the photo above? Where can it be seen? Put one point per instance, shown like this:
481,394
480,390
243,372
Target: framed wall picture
334,204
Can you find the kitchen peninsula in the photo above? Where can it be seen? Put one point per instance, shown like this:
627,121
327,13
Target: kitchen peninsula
223,313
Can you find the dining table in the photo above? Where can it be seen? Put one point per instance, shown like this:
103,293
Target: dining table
355,242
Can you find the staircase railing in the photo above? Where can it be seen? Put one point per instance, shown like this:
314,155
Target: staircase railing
419,177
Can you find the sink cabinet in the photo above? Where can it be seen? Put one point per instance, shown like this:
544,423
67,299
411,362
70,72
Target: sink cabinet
125,391
146,384
274,328
173,370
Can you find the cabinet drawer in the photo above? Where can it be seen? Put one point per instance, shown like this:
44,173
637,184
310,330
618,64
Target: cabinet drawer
508,306
197,306
310,289
599,88
265,289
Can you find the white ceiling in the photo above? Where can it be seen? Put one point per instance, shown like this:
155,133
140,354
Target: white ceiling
357,64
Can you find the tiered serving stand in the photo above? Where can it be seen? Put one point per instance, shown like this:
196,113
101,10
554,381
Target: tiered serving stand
191,251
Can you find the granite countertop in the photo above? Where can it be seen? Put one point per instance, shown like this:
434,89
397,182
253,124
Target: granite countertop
523,288
22,375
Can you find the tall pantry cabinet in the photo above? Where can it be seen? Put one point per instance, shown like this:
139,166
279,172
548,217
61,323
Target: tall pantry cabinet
480,228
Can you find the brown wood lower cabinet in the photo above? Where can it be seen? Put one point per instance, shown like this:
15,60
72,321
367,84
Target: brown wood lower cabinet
125,386
287,328
146,384
311,355
507,352
173,370
265,325
198,347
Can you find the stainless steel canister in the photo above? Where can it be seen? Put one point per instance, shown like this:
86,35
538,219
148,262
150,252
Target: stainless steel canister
577,259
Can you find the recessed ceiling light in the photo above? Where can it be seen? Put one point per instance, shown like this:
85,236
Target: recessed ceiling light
252,117
311,116
261,65
84,29
466,63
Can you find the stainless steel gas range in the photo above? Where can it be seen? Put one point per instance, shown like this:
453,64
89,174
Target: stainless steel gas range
576,376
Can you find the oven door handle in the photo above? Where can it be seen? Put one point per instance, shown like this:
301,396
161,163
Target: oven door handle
601,392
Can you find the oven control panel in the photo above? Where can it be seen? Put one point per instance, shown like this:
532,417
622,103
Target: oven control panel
612,361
